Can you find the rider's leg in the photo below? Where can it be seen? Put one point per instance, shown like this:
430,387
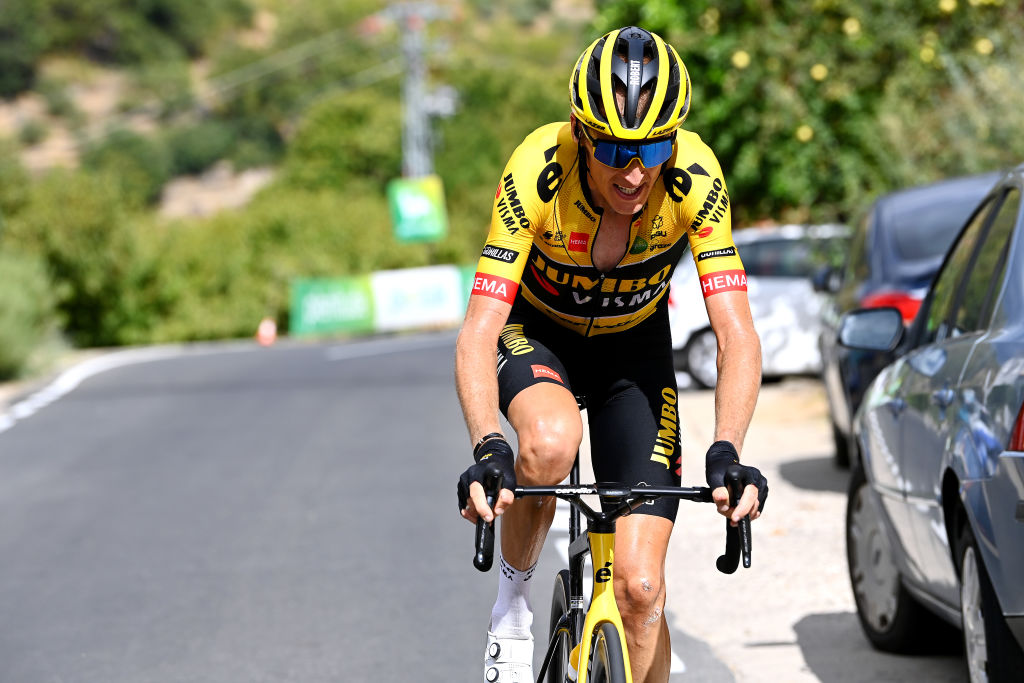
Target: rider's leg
549,428
547,422
641,543
634,436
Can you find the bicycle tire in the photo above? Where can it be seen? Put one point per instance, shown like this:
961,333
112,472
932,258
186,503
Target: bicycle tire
607,663
559,666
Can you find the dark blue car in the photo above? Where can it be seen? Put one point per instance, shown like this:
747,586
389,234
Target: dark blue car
893,256
935,518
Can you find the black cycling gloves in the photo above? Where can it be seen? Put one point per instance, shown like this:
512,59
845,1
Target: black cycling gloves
493,453
721,456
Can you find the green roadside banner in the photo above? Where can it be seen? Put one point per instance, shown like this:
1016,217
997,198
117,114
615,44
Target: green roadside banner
331,305
417,209
382,301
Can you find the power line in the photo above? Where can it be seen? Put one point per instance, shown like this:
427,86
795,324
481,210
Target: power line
417,103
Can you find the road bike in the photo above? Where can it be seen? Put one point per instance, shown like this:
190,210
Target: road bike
597,629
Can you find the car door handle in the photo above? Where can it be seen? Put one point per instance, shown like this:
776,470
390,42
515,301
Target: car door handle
896,405
943,397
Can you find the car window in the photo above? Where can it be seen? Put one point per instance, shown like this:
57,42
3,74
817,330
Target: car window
924,232
787,257
944,290
974,308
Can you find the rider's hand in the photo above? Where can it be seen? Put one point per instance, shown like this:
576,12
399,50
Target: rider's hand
720,456
495,452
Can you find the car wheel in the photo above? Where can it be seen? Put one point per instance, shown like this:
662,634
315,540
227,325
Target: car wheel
890,617
701,354
992,653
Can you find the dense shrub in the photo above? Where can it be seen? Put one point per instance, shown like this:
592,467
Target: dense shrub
14,184
27,313
325,153
126,31
258,143
105,284
195,148
140,164
226,273
22,42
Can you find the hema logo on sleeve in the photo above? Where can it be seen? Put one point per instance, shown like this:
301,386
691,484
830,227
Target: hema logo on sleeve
495,287
723,281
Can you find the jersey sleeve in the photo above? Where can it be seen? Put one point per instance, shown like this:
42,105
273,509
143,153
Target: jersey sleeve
518,210
709,220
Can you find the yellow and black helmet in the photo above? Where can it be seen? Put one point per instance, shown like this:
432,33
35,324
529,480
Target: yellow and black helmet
638,64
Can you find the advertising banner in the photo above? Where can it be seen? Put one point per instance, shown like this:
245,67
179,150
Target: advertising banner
331,305
385,301
417,297
417,209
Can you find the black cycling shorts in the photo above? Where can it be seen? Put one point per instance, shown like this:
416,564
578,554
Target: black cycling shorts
628,382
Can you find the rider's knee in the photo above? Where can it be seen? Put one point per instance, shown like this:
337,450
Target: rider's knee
547,448
640,596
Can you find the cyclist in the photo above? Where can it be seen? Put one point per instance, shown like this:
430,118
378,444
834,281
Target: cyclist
590,218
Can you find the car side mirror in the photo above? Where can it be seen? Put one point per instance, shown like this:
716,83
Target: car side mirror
871,329
826,279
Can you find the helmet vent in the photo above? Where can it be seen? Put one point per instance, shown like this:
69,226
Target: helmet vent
673,86
594,84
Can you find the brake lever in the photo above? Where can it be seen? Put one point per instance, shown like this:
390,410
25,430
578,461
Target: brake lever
738,539
484,545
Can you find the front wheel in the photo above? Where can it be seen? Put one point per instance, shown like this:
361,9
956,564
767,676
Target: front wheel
993,654
607,662
559,666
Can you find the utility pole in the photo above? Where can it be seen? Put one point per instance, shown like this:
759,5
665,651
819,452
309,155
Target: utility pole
418,103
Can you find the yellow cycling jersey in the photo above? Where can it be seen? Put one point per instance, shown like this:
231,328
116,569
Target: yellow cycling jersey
544,223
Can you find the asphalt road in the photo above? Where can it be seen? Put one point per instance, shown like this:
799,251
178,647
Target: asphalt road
235,513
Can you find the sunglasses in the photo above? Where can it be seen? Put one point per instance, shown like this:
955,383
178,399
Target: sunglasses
620,154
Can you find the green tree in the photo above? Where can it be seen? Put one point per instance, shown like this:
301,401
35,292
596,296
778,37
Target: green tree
807,104
106,285
22,42
142,165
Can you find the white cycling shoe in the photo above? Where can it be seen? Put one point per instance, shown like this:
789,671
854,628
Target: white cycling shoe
508,660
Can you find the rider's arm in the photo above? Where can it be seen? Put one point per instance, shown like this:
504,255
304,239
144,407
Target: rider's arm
477,386
517,209
739,379
475,357
723,283
739,365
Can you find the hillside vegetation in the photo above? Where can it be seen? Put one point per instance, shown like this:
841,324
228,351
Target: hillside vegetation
812,106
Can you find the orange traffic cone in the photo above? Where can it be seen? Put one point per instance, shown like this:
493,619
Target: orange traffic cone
266,333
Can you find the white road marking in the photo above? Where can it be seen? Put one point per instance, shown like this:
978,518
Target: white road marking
67,381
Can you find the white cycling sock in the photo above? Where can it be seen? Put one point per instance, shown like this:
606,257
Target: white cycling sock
512,615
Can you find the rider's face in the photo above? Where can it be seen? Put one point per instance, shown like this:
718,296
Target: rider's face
620,190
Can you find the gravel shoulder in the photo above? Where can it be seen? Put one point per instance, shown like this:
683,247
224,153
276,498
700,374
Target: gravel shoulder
791,616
